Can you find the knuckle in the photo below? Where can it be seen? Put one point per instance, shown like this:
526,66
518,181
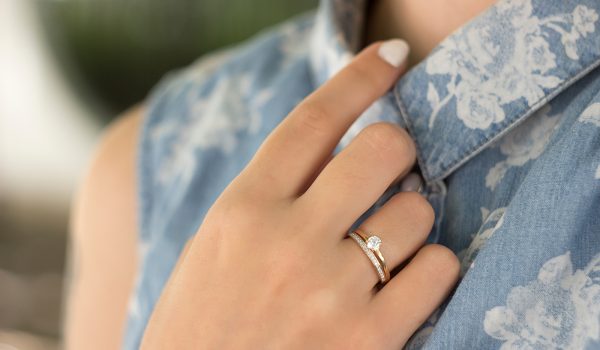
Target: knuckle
288,254
313,117
408,145
281,274
388,139
235,206
365,335
383,134
442,261
367,77
420,209
319,305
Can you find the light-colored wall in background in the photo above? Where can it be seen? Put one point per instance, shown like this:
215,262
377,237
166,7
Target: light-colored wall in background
46,134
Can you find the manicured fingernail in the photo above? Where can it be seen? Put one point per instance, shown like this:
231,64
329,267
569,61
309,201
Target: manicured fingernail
411,183
394,51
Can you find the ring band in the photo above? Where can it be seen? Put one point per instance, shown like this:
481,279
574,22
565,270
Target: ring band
370,246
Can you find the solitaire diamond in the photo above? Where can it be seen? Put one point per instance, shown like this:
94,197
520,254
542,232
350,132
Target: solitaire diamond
373,242
376,263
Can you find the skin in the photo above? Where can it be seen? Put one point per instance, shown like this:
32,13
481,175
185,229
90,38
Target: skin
103,241
297,294
333,300
423,24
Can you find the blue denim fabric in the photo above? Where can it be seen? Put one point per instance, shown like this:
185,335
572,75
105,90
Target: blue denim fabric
506,116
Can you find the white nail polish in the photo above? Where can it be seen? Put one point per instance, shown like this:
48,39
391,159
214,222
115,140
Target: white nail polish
394,51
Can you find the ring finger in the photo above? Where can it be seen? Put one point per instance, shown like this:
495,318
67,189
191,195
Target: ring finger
402,223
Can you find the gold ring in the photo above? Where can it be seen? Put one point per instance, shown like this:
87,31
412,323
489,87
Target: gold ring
370,245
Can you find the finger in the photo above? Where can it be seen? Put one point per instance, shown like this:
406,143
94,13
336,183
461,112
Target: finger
355,178
178,264
182,256
292,153
403,224
403,304
411,183
180,259
314,176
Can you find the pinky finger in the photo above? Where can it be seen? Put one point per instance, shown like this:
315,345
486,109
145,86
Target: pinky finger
406,301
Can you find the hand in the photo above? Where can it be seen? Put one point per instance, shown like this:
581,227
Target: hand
270,267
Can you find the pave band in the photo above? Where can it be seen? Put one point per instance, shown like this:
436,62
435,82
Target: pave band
370,246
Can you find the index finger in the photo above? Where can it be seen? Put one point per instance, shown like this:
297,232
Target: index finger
297,148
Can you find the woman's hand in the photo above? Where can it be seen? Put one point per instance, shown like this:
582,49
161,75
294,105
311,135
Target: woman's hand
270,267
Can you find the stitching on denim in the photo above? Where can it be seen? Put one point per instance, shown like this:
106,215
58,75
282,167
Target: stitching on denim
404,115
515,122
486,141
438,193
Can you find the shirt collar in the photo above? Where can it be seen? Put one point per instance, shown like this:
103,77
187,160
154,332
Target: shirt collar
479,82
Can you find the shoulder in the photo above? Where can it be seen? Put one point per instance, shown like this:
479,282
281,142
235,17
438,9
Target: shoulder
111,173
103,259
110,181
116,150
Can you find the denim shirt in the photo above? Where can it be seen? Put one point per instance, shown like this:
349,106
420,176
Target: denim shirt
505,113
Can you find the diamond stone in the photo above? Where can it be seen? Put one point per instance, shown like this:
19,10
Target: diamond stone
373,242
370,255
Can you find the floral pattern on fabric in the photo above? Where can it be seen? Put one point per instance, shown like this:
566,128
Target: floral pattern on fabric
194,144
482,81
219,125
523,144
292,48
591,114
231,107
491,222
558,310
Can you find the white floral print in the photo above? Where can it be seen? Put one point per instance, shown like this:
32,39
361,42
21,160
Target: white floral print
591,114
558,310
332,48
477,108
583,24
216,120
468,255
523,144
293,44
484,75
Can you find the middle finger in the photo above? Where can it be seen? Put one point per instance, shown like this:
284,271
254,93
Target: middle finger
402,223
356,177
296,149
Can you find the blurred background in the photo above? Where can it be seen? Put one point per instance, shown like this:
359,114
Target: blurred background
67,67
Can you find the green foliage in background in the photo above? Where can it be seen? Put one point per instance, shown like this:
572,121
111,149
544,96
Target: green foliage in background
116,50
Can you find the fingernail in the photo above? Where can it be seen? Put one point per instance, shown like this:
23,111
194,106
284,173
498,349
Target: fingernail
394,51
411,183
